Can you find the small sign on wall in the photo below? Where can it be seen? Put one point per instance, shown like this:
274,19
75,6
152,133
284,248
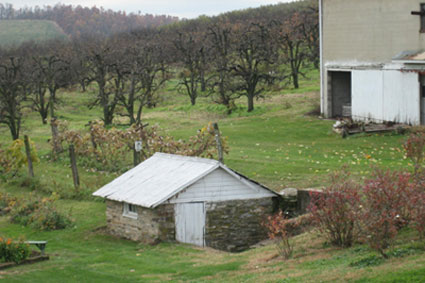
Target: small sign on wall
138,146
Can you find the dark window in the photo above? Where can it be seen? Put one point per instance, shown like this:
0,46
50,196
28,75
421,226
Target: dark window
132,208
423,17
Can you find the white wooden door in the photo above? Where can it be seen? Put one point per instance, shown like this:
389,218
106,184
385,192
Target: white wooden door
190,223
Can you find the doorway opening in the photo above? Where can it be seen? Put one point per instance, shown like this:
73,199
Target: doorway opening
340,93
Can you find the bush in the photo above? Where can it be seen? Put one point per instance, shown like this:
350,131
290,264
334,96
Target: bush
13,251
414,147
6,201
418,212
40,214
386,207
47,218
336,211
23,209
14,157
278,230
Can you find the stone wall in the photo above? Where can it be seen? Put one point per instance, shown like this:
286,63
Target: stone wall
236,225
151,225
304,199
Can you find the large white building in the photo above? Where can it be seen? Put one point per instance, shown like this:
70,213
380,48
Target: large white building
373,60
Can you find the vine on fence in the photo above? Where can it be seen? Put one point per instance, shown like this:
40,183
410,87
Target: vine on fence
110,148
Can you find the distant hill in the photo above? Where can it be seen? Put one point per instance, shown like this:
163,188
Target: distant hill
15,32
78,21
262,14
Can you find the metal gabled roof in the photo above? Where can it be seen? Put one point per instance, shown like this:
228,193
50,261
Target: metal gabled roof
161,177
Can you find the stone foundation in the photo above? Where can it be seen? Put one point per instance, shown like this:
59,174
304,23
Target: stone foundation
230,226
151,225
236,225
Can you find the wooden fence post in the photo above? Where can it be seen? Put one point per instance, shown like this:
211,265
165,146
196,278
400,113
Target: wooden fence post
74,168
28,152
57,146
218,141
137,148
136,157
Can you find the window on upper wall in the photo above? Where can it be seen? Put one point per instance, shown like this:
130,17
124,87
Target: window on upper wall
130,210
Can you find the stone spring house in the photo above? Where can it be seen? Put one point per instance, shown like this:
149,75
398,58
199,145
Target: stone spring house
192,200
373,60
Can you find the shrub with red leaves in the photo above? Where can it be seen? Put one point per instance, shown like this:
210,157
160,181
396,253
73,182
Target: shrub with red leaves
336,211
417,203
414,147
386,207
279,227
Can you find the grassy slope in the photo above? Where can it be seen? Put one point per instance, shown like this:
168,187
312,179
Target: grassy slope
277,144
15,32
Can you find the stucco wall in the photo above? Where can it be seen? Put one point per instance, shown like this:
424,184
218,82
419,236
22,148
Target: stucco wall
236,225
150,226
370,30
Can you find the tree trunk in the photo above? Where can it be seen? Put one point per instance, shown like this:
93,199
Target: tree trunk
132,119
14,126
250,103
108,116
14,132
295,79
203,82
43,115
83,86
52,104
43,108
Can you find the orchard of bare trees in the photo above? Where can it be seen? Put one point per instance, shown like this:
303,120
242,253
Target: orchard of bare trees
225,58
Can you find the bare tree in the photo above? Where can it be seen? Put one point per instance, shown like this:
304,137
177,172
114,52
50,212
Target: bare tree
13,91
292,45
220,37
145,72
51,71
190,51
255,57
310,30
99,56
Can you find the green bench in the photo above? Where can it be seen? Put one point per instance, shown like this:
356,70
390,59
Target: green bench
41,245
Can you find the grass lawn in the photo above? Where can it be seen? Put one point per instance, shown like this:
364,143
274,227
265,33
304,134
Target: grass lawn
277,144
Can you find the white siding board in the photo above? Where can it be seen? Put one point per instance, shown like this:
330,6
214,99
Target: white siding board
401,97
219,185
386,95
367,94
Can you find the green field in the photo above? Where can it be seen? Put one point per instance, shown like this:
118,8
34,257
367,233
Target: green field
15,32
278,144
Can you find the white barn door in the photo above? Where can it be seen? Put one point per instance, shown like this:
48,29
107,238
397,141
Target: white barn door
190,223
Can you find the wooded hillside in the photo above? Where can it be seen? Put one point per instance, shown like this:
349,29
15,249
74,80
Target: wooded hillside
78,20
